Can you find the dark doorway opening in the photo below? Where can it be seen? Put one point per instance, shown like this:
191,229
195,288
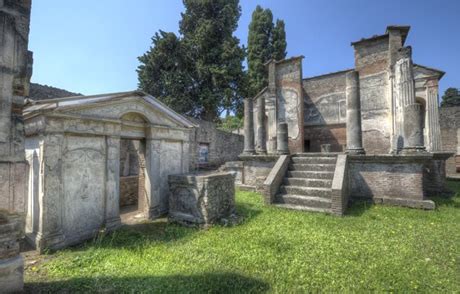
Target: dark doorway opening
132,180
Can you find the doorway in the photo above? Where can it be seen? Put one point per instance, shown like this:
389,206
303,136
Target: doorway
132,180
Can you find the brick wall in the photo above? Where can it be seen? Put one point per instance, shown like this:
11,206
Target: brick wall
335,135
450,134
386,178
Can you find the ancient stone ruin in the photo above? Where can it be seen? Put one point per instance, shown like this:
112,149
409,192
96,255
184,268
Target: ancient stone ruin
15,72
369,132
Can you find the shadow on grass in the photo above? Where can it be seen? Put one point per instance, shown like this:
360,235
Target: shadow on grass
202,283
134,236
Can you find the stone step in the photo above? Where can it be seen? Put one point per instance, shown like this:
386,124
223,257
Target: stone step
311,174
315,154
306,191
321,183
314,160
303,208
312,167
309,201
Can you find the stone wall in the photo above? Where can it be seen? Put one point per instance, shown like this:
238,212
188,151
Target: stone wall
221,146
251,171
129,190
372,63
450,136
15,73
335,135
290,105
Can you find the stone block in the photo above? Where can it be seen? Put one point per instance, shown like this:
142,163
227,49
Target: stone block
201,198
12,274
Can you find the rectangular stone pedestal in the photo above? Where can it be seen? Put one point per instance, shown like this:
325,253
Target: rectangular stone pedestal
203,199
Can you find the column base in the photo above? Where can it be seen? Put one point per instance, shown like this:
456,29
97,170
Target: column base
153,213
355,151
282,152
249,152
113,223
261,152
52,241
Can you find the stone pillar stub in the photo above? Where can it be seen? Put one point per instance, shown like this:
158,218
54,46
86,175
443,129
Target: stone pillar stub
354,130
413,131
248,126
282,138
261,131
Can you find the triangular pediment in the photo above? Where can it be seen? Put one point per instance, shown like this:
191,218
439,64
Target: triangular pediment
422,72
113,107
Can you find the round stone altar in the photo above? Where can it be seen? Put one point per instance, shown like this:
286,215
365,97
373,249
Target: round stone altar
201,198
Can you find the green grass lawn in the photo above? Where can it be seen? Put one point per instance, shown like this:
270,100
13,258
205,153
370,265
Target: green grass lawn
372,248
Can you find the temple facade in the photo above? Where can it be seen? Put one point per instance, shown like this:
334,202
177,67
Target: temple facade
361,110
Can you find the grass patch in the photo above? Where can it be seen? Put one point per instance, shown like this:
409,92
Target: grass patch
372,248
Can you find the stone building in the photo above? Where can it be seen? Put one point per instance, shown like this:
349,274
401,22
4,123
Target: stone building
73,149
450,136
15,73
315,108
369,132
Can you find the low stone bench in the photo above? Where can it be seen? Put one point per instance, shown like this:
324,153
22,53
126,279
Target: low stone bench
202,198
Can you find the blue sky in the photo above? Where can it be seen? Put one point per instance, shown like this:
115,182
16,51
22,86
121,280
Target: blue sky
91,46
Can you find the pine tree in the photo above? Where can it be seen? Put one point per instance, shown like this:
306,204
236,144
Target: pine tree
163,73
451,97
265,41
206,58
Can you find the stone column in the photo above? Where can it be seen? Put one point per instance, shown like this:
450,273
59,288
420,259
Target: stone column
248,126
412,128
434,128
50,234
112,198
151,195
354,131
261,131
282,138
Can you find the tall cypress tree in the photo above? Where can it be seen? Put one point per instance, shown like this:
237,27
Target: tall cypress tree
259,48
265,41
279,41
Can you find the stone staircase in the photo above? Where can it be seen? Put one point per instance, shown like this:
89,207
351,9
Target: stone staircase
308,183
